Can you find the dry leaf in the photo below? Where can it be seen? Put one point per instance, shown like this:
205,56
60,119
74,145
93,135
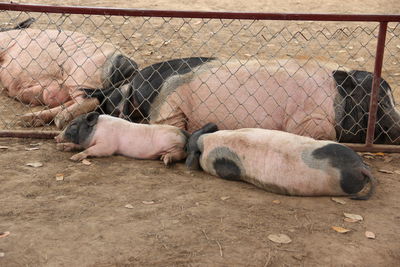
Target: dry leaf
248,55
225,198
350,220
340,229
4,234
397,73
369,234
3,147
147,202
34,164
368,157
35,144
353,216
2,254
86,162
398,46
276,201
59,177
280,238
385,171
378,154
397,171
338,200
128,206
31,148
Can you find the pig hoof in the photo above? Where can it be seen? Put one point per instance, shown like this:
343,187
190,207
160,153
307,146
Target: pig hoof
78,157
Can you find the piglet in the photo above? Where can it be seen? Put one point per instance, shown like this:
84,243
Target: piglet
104,135
280,162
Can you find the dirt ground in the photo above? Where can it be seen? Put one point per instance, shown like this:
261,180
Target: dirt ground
124,212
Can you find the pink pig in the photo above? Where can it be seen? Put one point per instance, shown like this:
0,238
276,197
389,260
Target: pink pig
104,135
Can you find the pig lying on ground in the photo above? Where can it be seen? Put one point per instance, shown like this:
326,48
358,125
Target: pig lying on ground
104,135
279,162
305,97
49,67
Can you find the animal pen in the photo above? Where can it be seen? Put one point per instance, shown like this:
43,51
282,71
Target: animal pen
364,42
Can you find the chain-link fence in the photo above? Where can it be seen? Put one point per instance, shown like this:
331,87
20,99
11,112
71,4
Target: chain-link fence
305,77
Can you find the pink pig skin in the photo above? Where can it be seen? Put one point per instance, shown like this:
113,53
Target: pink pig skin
113,135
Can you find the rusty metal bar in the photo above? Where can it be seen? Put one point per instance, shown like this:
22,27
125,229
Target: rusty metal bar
374,148
29,134
194,14
373,104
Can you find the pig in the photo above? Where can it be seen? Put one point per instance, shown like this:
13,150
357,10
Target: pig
51,67
105,135
306,97
280,162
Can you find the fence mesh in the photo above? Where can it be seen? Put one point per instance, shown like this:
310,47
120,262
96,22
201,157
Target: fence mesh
250,55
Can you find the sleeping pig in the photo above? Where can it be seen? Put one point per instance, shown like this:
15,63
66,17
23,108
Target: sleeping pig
280,162
104,135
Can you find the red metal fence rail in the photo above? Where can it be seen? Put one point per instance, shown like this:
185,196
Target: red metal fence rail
383,21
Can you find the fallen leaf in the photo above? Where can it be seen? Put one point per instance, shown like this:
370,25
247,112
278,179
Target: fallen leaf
3,147
247,55
59,177
385,171
2,254
398,46
197,22
147,202
378,154
36,144
4,234
350,220
35,164
353,216
31,148
368,157
276,201
225,198
397,73
338,200
340,229
369,234
280,238
128,206
397,171
86,162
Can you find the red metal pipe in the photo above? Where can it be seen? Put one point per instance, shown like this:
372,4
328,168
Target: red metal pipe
373,104
194,14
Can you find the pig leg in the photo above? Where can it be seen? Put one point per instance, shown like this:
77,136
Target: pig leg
40,118
175,155
98,150
68,147
80,106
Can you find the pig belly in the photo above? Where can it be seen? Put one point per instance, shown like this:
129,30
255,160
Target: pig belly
273,162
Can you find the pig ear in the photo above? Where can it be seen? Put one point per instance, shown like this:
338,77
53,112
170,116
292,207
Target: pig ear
344,81
91,118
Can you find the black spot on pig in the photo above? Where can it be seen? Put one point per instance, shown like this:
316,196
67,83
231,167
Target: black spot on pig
79,130
227,169
354,173
146,85
355,89
226,163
